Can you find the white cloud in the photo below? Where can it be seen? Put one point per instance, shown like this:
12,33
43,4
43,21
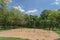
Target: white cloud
26,12
8,1
19,8
31,11
57,2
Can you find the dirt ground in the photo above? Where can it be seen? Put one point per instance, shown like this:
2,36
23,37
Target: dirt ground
32,34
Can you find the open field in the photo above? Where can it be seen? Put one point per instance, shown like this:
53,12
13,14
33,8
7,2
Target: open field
32,34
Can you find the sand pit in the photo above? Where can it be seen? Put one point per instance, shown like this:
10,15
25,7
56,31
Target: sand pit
32,34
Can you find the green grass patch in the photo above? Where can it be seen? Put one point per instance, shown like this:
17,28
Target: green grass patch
57,31
10,38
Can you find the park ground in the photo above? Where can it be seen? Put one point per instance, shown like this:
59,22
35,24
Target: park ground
27,33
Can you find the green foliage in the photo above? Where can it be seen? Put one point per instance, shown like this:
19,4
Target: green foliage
14,18
50,18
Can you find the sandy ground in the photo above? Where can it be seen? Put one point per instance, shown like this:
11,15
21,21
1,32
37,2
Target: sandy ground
32,34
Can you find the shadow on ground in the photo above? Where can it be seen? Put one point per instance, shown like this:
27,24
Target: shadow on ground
57,39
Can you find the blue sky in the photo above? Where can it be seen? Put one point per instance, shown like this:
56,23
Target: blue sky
35,7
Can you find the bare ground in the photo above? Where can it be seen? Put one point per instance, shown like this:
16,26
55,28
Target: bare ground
32,34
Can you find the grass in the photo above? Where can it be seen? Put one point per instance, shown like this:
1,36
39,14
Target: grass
9,38
57,31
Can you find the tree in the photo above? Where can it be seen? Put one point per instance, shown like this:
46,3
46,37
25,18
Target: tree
52,19
4,11
58,18
44,15
49,18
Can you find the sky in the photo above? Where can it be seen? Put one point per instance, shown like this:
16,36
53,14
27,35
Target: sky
34,7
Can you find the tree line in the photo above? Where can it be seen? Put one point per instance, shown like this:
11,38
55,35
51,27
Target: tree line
14,18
